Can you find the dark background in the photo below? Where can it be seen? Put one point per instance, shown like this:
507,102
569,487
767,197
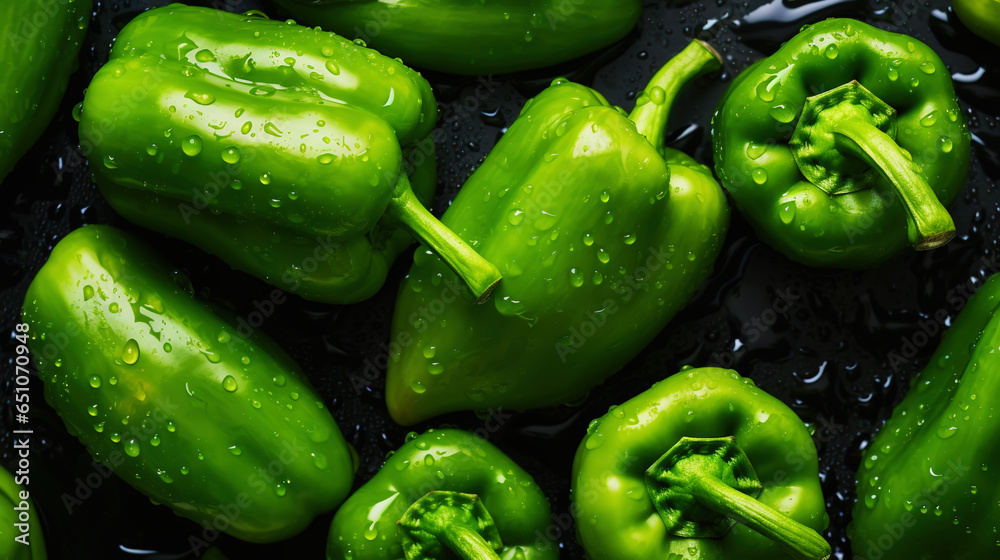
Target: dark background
832,356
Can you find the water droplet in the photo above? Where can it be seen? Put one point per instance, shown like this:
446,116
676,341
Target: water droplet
759,176
192,145
155,440
754,151
594,440
167,347
265,178
893,74
603,256
914,82
99,427
235,450
95,381
231,155
418,387
515,216
109,162
782,113
273,130
429,352
787,212
88,292
929,119
325,159
928,68
946,432
831,52
131,448
527,36
435,368
945,144
92,410
130,353
247,127
588,239
229,384
152,149
200,98
164,476
262,90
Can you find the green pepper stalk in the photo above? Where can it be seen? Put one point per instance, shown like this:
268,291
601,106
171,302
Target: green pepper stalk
602,235
981,16
475,38
444,494
928,484
15,543
844,146
192,413
698,445
277,147
35,64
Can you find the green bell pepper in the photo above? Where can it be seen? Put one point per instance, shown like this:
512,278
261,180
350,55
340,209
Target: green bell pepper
981,16
601,232
473,38
703,465
844,146
927,487
223,429
444,494
40,43
274,146
20,531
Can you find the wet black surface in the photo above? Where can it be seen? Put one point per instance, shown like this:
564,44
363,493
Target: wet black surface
839,347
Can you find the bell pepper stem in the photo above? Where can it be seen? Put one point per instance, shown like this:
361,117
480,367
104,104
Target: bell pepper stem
800,541
653,106
467,544
928,223
479,274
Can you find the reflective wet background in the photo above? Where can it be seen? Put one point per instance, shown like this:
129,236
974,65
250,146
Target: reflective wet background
839,347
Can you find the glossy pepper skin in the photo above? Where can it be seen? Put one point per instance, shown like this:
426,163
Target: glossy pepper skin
12,506
277,147
477,38
41,40
432,469
602,235
981,16
223,429
677,472
850,176
928,484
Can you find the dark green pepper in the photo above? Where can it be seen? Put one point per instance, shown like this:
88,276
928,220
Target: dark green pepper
471,38
981,16
223,429
602,234
38,52
20,530
274,146
702,466
444,494
928,486
844,146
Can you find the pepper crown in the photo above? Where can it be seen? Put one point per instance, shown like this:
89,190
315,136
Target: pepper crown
845,137
441,521
702,486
